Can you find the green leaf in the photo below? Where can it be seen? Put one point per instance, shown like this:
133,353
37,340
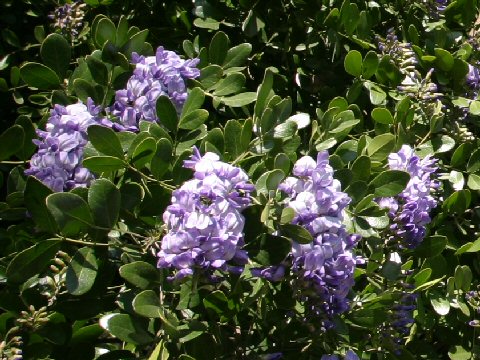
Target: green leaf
160,352
444,60
105,31
210,75
56,54
35,194
104,201
297,233
274,178
218,48
142,152
136,43
264,91
422,276
431,246
473,182
127,328
380,147
382,115
82,271
98,70
161,160
389,183
239,100
105,141
272,249
473,164
232,84
353,63
461,155
101,164
237,55
39,76
71,213
194,101
147,304
139,273
233,133
458,202
167,114
361,168
370,64
193,120
218,302
377,95
11,141
83,89
287,215
474,107
440,304
32,261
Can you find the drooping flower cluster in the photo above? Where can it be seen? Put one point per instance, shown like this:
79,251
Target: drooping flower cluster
324,268
396,328
401,53
163,74
435,8
68,18
414,85
58,160
204,222
473,78
410,209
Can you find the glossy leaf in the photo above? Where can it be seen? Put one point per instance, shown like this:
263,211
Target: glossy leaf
82,271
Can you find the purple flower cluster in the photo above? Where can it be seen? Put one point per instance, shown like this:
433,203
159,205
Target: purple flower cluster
401,53
163,74
411,208
323,268
68,18
204,222
58,161
397,328
473,78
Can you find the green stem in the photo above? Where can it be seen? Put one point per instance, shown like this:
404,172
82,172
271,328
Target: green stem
85,243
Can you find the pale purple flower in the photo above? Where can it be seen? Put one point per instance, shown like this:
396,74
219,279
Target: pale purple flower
322,271
58,161
163,74
204,221
410,210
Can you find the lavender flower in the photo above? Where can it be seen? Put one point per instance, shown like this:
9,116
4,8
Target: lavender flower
473,78
323,269
204,222
397,328
163,74
58,160
410,209
68,18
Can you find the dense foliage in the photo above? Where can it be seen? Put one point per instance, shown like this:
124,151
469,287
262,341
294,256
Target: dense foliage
239,179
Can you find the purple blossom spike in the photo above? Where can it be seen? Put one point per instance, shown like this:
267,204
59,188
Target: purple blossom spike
473,77
163,74
58,160
411,208
204,222
322,270
68,18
